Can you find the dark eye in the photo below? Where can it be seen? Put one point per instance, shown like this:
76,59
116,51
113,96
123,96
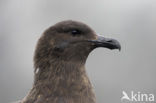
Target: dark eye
75,32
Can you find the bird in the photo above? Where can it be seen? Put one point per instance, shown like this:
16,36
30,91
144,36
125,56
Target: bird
59,63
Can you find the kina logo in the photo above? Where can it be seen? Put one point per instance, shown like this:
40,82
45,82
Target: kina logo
137,97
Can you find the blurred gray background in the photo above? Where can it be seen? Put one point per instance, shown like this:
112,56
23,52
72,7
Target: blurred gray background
132,22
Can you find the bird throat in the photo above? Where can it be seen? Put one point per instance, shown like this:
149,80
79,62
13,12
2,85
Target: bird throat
61,82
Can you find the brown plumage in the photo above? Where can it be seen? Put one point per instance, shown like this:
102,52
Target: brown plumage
59,61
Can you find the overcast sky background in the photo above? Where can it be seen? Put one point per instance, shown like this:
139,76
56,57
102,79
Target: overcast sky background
132,22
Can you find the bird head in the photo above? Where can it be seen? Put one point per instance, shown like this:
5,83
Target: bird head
71,41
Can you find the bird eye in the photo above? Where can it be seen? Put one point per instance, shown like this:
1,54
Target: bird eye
75,32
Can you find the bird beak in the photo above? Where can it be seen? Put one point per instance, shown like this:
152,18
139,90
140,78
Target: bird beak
106,42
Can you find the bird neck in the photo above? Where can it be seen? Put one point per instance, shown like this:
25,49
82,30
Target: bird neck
60,71
62,79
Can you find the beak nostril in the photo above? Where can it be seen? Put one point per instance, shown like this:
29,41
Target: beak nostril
109,41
